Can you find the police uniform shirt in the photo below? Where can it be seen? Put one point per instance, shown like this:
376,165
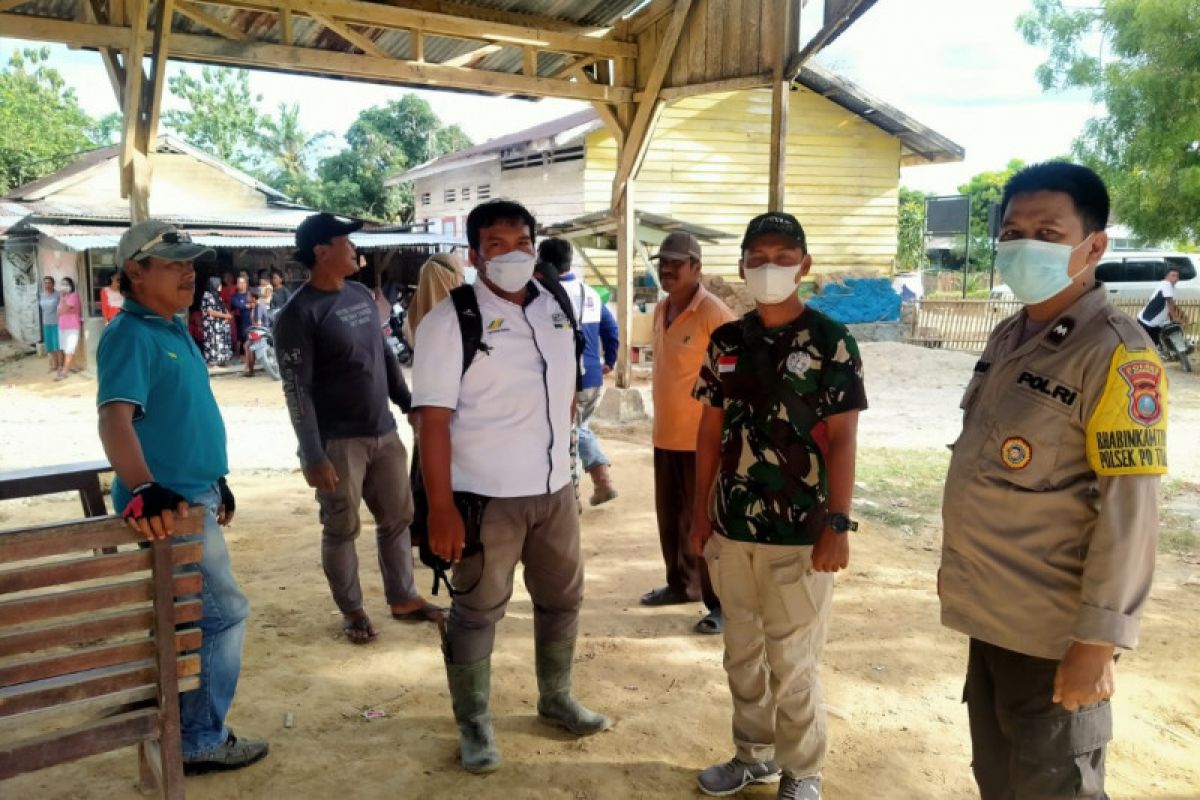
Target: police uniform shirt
511,428
1050,512
777,386
152,363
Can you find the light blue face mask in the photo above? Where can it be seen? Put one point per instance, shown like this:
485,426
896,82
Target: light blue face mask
1036,270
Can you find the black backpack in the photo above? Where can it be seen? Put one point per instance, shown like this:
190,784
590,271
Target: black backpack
471,506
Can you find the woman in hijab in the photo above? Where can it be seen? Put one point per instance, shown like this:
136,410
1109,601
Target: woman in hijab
441,273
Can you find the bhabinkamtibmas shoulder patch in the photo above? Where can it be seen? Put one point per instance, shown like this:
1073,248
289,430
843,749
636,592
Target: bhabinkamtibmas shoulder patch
1127,434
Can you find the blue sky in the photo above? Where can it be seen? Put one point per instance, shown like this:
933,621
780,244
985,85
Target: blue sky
958,66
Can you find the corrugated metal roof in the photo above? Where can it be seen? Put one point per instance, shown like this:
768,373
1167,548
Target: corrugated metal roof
85,237
604,222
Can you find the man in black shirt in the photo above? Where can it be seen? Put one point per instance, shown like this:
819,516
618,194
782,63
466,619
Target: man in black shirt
337,378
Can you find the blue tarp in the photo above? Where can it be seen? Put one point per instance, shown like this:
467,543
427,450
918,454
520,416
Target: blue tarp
859,300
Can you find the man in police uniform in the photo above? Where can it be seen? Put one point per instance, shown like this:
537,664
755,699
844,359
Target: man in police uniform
1050,509
495,454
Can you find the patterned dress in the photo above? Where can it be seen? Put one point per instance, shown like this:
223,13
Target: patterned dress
218,348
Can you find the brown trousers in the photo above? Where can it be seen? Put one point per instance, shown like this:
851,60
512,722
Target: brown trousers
674,498
542,533
374,470
1024,745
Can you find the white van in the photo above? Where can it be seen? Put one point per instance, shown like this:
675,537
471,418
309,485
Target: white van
1135,274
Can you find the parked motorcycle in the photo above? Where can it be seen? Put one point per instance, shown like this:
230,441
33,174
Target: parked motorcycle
394,329
262,344
1175,346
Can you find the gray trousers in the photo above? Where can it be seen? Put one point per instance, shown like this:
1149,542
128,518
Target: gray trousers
374,470
541,532
1024,745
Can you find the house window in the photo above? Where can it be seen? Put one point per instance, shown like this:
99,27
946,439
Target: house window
448,196
466,193
426,199
484,192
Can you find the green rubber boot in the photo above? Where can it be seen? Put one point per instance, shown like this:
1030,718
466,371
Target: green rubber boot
555,704
470,686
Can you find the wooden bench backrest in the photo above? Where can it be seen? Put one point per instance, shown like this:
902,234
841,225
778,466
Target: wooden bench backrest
78,637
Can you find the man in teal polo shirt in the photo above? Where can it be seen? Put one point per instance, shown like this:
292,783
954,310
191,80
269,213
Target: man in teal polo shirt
162,432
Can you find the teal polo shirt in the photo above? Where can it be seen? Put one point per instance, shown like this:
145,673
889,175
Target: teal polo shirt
153,363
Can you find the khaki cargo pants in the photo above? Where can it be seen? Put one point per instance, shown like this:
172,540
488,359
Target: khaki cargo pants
776,615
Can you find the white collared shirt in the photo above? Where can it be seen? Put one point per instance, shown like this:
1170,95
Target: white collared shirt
511,428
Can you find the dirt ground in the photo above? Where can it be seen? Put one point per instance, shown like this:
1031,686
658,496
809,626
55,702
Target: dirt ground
893,675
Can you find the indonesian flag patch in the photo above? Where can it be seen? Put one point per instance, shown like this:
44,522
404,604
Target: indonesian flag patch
726,364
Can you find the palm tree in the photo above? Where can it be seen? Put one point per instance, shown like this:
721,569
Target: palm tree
289,150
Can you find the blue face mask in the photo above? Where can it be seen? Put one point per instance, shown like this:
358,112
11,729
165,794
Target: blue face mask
1035,270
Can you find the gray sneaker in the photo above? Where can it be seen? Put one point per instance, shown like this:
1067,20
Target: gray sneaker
233,753
734,775
799,788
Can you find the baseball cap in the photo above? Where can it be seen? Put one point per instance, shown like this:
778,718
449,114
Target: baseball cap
774,222
161,240
321,229
680,245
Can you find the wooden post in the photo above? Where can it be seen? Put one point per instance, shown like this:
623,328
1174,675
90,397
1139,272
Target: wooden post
169,745
626,244
131,165
785,39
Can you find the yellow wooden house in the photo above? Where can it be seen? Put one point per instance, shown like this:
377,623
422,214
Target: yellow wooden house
707,165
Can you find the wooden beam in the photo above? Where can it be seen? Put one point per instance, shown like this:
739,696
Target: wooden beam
638,133
286,34
418,46
301,60
609,117
649,15
529,61
202,17
93,11
5,5
136,46
158,71
626,242
471,56
712,87
782,47
353,37
461,27
522,18
575,65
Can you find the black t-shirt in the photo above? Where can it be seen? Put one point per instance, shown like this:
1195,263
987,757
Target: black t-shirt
337,371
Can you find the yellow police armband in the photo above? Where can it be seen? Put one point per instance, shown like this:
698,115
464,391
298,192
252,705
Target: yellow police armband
1127,433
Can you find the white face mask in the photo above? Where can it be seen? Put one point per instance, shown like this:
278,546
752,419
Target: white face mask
770,284
469,274
1035,270
511,271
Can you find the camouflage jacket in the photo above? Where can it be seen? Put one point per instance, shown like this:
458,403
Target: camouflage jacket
777,387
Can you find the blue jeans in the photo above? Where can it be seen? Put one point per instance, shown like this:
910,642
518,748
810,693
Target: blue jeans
223,626
589,446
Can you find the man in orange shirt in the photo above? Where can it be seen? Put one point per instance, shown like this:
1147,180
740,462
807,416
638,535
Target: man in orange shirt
682,326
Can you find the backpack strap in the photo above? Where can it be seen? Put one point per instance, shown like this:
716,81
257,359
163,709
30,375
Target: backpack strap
555,287
470,323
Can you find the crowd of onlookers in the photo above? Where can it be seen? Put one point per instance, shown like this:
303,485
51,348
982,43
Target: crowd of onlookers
227,306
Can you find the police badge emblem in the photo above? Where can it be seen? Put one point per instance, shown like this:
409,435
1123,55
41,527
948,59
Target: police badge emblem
799,363
1143,378
1016,452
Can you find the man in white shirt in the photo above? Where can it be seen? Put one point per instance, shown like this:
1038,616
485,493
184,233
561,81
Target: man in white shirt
495,456
1161,308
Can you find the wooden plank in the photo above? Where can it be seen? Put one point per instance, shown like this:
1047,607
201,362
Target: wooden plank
649,15
5,5
716,31
89,568
777,172
135,46
89,630
472,56
300,60
168,675
286,34
352,37
73,688
198,15
93,11
79,601
529,61
626,239
89,658
13,727
36,481
417,46
100,736
43,541
752,40
731,41
638,132
712,87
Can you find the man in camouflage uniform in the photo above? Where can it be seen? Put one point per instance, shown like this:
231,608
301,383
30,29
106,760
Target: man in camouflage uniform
782,389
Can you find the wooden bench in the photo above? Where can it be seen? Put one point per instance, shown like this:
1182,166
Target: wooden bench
93,656
83,477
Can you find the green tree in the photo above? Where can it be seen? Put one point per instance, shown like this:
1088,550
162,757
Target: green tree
289,153
984,189
220,114
107,130
910,231
1147,148
42,126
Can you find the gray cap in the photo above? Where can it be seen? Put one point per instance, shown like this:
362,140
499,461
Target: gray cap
678,245
161,240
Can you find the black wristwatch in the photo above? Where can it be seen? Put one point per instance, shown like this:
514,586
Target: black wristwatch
841,523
